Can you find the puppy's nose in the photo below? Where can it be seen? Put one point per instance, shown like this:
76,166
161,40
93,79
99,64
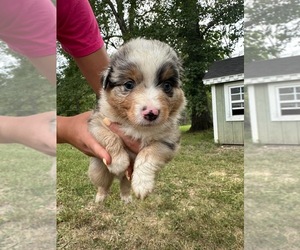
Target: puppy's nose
150,114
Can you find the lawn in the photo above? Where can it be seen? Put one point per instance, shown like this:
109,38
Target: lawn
197,203
27,199
272,197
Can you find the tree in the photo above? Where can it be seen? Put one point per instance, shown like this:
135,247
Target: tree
74,95
202,29
122,20
269,27
22,90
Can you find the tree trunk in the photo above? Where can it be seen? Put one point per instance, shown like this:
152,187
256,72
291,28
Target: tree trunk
201,121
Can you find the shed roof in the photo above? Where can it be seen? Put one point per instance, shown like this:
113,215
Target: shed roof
273,67
230,66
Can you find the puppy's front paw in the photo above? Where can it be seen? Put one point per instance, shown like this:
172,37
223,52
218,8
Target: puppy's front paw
142,184
126,198
100,197
119,163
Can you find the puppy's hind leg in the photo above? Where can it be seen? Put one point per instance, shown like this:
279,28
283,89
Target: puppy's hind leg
125,188
101,178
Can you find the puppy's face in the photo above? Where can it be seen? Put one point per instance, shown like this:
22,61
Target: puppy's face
142,85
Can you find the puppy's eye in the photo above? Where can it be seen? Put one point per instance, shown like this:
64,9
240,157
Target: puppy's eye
129,85
167,86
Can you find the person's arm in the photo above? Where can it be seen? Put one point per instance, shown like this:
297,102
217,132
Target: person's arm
79,34
74,130
92,66
92,60
33,131
46,66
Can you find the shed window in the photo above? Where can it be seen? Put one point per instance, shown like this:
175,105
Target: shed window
289,99
284,101
234,102
237,100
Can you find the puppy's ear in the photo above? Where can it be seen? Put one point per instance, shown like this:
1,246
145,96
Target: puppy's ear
105,77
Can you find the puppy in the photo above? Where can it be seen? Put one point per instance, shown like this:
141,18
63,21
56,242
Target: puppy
142,92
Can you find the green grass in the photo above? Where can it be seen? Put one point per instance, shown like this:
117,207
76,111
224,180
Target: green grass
27,199
272,198
185,128
197,203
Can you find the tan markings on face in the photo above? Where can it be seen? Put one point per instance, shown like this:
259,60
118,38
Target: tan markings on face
128,106
167,73
120,101
136,75
123,101
173,104
132,73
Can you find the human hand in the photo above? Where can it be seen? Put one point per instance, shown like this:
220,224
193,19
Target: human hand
132,145
33,131
74,130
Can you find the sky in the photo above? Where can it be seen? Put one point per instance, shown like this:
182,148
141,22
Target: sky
6,61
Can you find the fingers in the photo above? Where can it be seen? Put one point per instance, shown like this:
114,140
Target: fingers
99,152
74,130
133,145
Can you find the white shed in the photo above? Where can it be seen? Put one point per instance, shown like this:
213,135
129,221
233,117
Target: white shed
274,100
226,79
